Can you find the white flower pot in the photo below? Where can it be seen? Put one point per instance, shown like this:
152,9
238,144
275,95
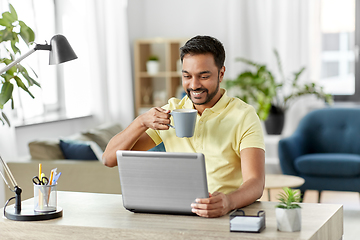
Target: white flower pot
152,67
288,220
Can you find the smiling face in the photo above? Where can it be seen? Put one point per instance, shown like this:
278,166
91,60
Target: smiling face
201,80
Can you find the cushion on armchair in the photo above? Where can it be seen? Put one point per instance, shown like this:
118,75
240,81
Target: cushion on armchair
329,165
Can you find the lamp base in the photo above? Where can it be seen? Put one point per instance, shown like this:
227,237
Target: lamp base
28,214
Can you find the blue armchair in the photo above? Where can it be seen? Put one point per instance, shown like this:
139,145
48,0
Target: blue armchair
324,150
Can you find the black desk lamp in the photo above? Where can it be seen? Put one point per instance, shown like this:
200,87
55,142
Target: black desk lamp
60,51
26,213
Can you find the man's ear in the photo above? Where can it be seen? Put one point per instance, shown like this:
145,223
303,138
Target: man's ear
221,73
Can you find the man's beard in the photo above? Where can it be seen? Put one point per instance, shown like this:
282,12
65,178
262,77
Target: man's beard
209,96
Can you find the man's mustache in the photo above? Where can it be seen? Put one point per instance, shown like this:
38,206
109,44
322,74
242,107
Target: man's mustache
196,90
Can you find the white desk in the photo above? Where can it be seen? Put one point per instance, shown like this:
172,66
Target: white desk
102,216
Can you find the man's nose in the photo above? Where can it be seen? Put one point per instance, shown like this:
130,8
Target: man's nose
195,83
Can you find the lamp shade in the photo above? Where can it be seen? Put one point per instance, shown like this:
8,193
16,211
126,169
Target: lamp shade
61,50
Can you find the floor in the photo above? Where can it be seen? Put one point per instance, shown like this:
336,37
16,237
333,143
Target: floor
349,200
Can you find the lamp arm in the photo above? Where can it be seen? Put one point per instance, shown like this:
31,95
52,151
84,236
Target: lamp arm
37,47
8,172
17,61
17,189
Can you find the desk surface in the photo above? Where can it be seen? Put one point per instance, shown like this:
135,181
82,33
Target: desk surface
102,216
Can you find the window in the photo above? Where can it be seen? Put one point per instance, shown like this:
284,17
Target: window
65,90
340,48
41,20
71,20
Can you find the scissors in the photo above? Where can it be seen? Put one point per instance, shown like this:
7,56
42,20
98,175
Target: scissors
37,181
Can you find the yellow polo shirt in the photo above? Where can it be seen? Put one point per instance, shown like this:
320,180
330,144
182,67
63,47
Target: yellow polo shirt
221,132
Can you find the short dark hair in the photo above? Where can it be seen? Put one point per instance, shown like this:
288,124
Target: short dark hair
203,45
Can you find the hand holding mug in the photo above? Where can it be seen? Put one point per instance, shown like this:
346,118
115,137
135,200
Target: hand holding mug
156,118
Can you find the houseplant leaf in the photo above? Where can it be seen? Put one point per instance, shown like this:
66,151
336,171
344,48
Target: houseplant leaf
289,198
11,33
6,93
9,17
6,34
259,88
5,118
22,85
26,75
26,33
13,42
13,13
5,23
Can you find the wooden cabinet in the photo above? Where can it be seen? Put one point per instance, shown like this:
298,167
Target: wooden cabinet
155,89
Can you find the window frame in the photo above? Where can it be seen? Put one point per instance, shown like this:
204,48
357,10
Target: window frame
356,96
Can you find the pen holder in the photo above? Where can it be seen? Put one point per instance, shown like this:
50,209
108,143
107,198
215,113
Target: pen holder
45,198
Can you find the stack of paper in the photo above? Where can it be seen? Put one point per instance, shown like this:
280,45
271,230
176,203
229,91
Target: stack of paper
245,224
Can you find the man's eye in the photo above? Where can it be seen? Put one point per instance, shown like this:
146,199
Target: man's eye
205,77
186,76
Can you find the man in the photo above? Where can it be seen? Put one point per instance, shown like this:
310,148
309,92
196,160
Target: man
227,132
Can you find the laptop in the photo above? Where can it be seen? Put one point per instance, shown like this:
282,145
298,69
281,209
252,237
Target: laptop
161,182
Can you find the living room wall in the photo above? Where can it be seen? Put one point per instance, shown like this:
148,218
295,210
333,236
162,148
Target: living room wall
168,19
177,19
187,18
148,19
159,18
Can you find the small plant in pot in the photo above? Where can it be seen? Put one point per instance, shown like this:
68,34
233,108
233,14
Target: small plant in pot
288,211
152,65
270,97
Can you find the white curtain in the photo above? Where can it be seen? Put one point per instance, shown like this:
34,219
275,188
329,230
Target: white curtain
256,27
110,61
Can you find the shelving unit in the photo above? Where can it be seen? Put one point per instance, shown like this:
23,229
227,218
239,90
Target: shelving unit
155,90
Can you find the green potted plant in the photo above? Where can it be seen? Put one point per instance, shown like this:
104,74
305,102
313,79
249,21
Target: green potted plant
11,31
152,65
272,98
288,211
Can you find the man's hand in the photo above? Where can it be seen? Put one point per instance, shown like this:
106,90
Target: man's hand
156,118
217,205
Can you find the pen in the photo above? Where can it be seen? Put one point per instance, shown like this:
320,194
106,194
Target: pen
51,176
50,183
40,171
56,178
